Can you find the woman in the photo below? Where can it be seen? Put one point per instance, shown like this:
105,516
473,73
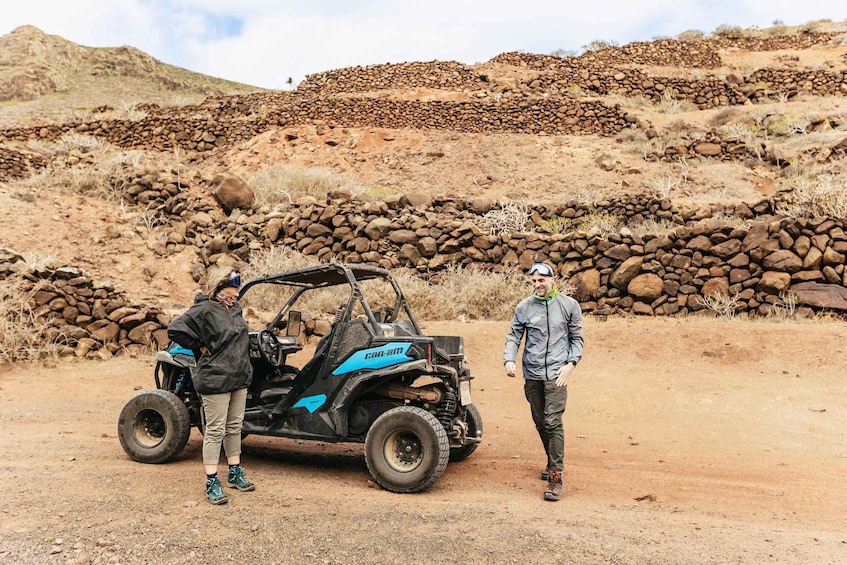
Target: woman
214,329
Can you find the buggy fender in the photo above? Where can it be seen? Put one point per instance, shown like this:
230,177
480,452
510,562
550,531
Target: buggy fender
370,379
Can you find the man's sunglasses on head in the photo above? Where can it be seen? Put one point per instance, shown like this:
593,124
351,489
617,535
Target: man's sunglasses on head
542,269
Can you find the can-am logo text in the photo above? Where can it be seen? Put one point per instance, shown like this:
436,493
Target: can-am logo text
387,352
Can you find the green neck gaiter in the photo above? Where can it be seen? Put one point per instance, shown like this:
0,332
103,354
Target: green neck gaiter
548,296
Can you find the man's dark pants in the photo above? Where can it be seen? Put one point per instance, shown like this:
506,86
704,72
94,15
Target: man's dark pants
547,404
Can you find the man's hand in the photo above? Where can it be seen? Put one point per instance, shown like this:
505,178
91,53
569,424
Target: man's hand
510,368
562,380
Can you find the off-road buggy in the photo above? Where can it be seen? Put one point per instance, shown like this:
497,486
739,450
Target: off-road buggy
374,378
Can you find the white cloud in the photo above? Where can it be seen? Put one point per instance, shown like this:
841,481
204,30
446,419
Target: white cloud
263,42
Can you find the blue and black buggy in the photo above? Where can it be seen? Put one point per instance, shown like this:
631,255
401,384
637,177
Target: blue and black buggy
374,378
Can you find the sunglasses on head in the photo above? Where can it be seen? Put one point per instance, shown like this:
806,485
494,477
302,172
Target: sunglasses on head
542,269
234,281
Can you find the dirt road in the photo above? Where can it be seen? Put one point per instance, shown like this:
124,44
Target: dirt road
695,441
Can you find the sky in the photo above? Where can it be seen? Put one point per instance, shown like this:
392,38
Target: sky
266,42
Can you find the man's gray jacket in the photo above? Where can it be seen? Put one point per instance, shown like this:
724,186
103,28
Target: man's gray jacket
553,330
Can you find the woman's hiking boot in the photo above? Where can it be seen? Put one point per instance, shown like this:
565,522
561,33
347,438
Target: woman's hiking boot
214,492
235,479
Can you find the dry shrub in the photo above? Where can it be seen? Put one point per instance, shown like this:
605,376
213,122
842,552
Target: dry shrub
599,223
68,143
723,117
652,227
511,218
721,304
106,180
690,35
823,195
465,293
670,105
736,32
281,184
21,334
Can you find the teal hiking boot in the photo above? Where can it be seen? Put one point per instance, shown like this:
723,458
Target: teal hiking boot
236,479
214,491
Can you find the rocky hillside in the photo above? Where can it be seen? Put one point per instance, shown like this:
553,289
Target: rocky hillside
56,77
655,176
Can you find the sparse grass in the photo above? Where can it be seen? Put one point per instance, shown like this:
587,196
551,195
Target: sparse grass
379,192
784,309
670,105
129,111
21,333
735,32
69,142
600,223
823,195
632,139
557,224
511,218
723,117
281,184
690,35
599,44
494,295
106,180
722,219
652,227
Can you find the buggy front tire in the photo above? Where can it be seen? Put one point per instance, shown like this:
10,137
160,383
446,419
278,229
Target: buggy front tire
406,449
154,426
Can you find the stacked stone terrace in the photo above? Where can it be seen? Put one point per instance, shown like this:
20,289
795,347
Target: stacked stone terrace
84,317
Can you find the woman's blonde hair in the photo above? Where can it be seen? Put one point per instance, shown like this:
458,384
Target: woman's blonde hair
218,276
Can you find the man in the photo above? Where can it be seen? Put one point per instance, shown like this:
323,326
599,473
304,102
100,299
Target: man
552,323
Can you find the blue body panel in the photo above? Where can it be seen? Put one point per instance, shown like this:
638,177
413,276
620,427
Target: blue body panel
375,358
311,403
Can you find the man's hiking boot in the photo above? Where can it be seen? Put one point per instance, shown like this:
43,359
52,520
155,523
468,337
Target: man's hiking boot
236,479
214,492
545,474
554,486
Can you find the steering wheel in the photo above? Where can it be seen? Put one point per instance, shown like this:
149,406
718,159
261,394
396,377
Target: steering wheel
270,348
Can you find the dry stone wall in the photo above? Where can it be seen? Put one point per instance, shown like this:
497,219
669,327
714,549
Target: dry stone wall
84,317
15,164
758,260
206,130
448,75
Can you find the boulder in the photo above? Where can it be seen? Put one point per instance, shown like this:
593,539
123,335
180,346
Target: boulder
232,192
587,284
820,295
646,287
627,271
774,282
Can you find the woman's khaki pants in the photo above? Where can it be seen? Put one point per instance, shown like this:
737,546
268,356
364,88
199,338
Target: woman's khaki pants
224,415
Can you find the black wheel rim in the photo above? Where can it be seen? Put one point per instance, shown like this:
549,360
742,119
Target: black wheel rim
149,428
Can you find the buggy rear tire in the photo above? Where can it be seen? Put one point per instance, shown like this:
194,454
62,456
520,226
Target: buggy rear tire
474,421
406,449
154,426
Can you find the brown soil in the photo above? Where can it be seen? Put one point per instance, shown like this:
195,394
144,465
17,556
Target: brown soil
695,441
